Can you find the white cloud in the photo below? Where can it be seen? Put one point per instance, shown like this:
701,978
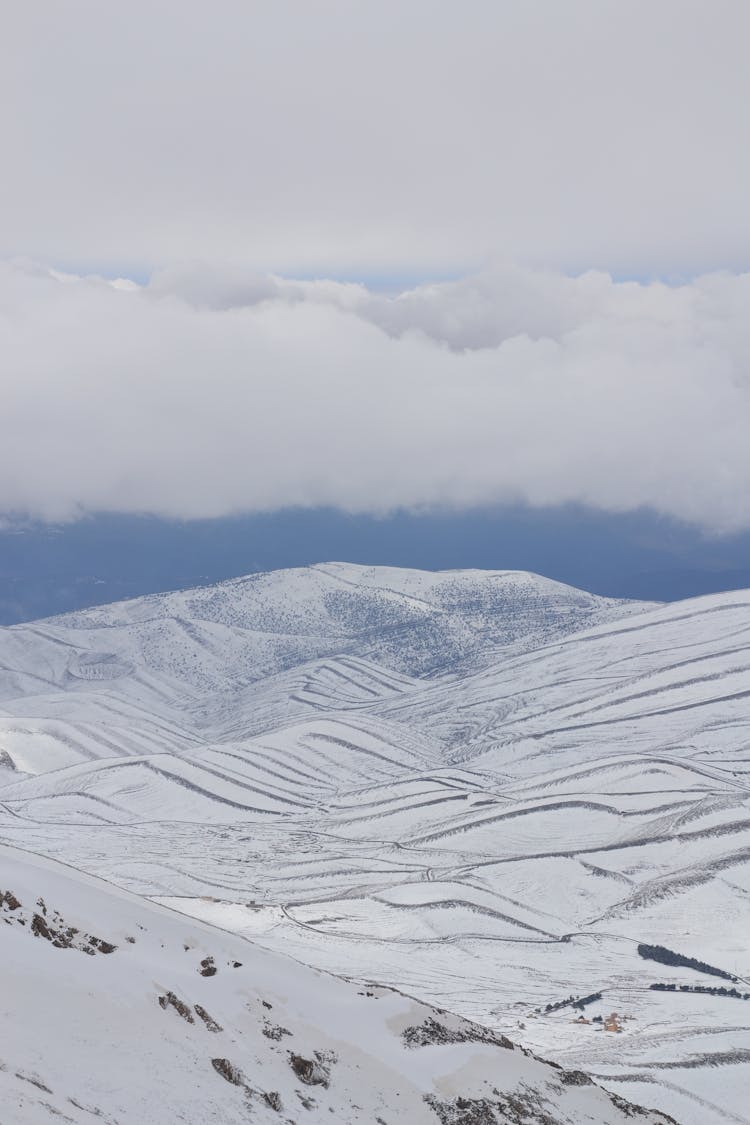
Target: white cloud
204,394
378,135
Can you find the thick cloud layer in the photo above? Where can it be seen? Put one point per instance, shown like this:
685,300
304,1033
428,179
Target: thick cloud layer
206,393
377,135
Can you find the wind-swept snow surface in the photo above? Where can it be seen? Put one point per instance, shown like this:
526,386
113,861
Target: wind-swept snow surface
489,790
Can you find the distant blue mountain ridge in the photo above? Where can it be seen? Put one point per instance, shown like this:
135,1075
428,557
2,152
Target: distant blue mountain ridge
48,569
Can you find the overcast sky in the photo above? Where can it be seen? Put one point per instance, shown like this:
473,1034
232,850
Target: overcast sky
538,153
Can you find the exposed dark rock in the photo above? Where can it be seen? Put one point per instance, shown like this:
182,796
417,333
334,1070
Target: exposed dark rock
51,927
61,939
102,945
463,1111
432,1031
228,1071
509,1109
209,1021
313,1072
169,1000
630,1109
575,1078
34,1081
93,1110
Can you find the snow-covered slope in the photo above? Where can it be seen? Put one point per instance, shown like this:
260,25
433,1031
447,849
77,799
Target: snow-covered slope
118,1010
488,790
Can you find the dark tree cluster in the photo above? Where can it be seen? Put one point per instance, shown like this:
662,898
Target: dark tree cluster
669,957
578,1002
703,988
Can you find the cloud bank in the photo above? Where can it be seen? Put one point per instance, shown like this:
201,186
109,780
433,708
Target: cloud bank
210,392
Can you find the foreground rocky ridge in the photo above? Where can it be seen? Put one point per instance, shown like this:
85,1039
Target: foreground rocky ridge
167,1019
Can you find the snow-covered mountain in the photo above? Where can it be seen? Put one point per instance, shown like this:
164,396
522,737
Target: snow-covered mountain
489,790
181,665
118,1010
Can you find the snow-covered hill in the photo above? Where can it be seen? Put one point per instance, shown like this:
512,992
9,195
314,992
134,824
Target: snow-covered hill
154,670
118,1010
489,790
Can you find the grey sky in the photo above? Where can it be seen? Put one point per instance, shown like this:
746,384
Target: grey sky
360,135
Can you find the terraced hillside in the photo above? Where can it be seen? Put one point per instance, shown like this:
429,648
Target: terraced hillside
487,789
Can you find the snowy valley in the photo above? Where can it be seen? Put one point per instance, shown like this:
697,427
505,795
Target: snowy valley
520,803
